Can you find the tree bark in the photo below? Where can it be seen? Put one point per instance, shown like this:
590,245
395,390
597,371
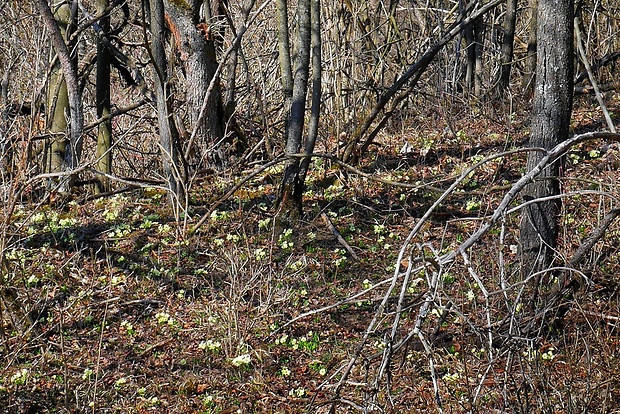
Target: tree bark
284,57
73,95
173,166
291,188
529,75
478,51
507,47
315,109
6,149
195,40
550,125
104,134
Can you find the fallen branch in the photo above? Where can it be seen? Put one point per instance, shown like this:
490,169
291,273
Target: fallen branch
597,234
336,233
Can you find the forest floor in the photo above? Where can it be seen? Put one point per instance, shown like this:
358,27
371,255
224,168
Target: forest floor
135,315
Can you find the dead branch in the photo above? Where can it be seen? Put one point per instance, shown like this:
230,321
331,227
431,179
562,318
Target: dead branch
336,233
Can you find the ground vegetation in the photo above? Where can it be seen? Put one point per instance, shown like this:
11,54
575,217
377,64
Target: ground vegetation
152,273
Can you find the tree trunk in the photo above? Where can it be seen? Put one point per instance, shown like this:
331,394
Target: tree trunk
6,149
104,134
470,48
315,110
69,94
478,50
291,188
284,56
474,48
529,75
173,167
550,125
195,41
507,48
57,106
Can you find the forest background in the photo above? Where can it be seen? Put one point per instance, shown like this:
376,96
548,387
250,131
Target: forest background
309,206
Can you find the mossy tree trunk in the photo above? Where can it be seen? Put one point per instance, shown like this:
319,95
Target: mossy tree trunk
58,106
63,92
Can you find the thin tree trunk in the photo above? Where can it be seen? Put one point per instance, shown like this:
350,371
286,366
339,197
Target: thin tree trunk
529,75
74,96
104,134
173,167
57,106
470,49
315,110
6,149
478,50
507,48
284,56
289,196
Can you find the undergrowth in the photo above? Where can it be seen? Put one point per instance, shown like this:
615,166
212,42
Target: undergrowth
109,305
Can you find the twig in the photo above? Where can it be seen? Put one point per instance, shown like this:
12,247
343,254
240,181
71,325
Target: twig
336,233
345,301
596,236
586,64
232,191
613,318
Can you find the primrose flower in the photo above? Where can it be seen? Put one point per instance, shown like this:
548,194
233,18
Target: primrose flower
297,392
243,359
210,345
451,377
20,377
88,373
549,355
164,318
120,383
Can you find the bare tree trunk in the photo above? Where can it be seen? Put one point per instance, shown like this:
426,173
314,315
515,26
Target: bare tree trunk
530,62
550,125
104,134
57,105
315,110
470,48
6,149
195,41
291,189
284,56
507,48
173,166
478,50
473,35
63,18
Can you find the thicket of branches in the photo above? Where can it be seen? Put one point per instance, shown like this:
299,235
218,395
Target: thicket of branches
400,60
387,67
